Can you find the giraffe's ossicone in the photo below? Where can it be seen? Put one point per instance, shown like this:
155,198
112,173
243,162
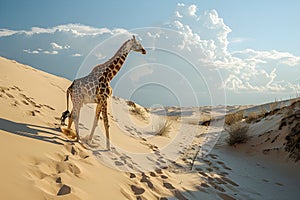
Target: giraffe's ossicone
95,88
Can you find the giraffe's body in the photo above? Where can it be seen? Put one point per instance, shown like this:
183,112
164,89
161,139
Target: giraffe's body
95,88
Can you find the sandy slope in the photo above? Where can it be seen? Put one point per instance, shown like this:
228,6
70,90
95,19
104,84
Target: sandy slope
38,161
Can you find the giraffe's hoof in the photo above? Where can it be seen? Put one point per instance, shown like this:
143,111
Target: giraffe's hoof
68,132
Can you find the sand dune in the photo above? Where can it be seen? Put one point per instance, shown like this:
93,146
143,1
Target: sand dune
39,162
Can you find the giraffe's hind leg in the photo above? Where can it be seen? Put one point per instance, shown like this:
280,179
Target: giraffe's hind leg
74,117
70,120
76,122
106,125
96,119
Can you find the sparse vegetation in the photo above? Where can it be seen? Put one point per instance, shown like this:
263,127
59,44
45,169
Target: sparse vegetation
237,134
137,110
262,111
274,106
164,128
293,137
131,104
233,118
253,116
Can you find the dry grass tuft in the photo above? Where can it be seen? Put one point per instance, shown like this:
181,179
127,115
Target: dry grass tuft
233,118
237,134
253,116
293,138
131,104
164,128
137,110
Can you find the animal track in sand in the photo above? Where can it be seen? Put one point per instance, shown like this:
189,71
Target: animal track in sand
137,190
168,186
145,179
17,98
48,173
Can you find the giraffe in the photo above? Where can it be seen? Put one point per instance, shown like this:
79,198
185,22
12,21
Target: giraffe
95,88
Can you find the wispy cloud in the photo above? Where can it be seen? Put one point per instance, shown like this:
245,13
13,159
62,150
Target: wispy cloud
74,29
40,51
76,55
31,52
99,56
6,32
50,52
238,40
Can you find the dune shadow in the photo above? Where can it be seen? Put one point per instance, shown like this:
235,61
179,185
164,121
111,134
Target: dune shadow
32,131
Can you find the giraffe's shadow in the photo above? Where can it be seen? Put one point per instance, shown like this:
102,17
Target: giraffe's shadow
43,133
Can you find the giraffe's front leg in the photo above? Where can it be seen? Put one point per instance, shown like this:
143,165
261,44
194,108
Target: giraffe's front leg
106,125
96,119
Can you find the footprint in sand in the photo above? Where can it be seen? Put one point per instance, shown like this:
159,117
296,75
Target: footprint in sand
168,186
132,175
137,190
46,173
152,174
65,189
9,95
158,171
164,177
145,179
25,102
227,180
119,163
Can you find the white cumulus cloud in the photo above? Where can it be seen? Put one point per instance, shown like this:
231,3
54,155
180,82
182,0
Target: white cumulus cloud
192,10
56,46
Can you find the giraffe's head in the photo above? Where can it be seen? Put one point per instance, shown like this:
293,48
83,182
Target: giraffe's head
136,46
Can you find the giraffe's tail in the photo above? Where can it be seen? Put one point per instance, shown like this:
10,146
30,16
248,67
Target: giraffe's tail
65,114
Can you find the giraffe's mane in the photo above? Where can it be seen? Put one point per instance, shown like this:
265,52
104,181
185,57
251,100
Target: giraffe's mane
112,58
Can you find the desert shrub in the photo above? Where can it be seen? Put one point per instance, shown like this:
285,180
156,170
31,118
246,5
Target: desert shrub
252,117
237,134
293,142
164,128
131,104
137,110
233,118
262,111
274,106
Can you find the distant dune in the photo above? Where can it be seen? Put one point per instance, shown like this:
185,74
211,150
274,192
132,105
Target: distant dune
155,153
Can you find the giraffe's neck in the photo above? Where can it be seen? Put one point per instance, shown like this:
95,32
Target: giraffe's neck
110,68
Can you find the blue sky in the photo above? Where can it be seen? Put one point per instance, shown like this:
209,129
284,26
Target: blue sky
263,25
252,46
